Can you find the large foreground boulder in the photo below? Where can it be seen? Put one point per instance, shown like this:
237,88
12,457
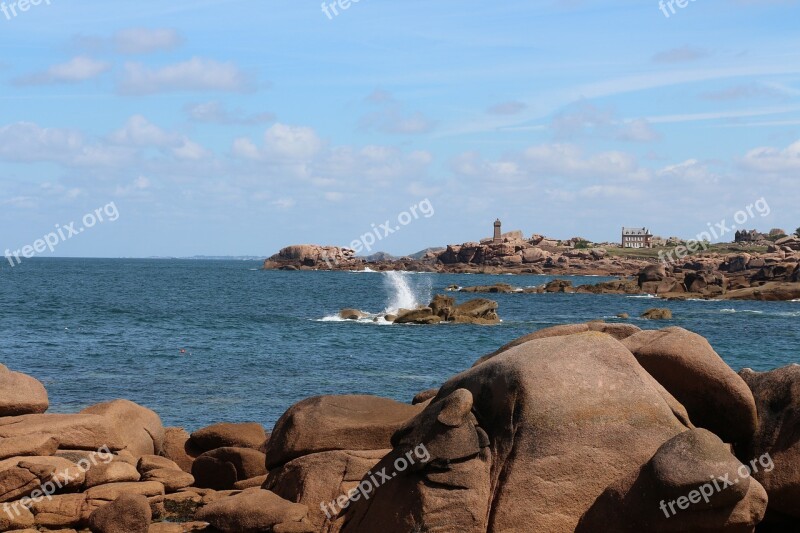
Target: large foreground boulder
715,397
75,432
325,423
139,427
692,484
526,441
618,331
21,394
242,435
774,450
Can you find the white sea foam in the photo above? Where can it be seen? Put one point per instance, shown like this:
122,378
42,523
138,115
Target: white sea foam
643,296
402,295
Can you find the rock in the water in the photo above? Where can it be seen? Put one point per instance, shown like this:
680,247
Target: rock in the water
352,314
130,513
139,427
226,435
325,423
657,314
773,291
715,397
422,316
251,511
21,394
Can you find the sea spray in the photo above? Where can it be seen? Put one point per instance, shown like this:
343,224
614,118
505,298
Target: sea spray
402,295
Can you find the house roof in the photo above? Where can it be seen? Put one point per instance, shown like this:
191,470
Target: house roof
635,231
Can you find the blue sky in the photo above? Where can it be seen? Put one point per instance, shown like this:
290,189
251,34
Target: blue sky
238,127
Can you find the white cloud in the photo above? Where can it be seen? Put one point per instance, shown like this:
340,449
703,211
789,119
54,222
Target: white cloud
75,70
196,74
773,160
291,142
28,142
145,41
138,131
690,171
587,120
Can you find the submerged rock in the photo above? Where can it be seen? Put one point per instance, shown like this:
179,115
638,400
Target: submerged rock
657,314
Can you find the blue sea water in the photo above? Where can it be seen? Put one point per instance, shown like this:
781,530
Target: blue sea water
255,342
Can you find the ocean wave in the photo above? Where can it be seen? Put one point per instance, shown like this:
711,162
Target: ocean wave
643,296
371,319
761,313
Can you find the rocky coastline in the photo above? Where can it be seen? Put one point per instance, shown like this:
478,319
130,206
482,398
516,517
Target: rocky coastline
773,275
574,428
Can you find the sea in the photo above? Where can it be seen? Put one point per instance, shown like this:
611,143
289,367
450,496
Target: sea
206,341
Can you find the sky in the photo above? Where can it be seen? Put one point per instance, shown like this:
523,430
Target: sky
238,127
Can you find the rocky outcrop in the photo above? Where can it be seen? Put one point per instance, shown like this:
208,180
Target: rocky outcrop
311,256
326,423
574,428
241,435
775,446
222,468
657,314
253,511
715,397
542,423
444,309
139,427
674,491
130,513
20,394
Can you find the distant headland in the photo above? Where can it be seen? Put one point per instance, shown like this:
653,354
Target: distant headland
755,266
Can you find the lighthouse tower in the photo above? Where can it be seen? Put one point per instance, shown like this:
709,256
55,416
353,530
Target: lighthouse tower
497,232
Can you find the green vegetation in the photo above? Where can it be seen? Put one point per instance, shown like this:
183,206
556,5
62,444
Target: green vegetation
797,232
582,245
652,253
